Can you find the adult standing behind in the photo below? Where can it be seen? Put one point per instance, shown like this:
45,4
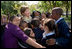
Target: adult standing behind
26,14
63,29
13,33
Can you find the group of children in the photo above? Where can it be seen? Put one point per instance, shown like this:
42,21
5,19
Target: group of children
36,33
40,27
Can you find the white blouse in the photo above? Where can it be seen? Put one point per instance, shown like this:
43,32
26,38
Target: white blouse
48,34
27,19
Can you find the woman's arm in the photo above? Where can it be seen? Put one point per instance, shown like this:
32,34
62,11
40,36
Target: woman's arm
20,35
33,43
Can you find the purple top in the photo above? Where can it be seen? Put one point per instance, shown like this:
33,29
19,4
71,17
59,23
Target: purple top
11,35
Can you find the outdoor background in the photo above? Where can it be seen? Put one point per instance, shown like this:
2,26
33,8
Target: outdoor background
13,7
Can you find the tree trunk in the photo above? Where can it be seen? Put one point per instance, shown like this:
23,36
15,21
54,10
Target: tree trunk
8,16
67,9
54,4
66,12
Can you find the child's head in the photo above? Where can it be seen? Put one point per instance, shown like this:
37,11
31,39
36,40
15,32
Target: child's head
43,15
29,32
57,12
49,25
25,11
35,23
36,13
23,24
48,14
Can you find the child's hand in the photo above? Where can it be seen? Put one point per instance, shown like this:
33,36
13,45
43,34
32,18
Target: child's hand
51,41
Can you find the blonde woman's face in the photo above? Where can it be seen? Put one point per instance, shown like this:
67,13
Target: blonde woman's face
27,12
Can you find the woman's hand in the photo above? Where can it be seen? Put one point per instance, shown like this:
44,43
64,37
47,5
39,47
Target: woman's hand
43,47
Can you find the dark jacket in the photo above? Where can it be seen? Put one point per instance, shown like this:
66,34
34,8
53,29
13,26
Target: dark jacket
1,34
44,43
64,35
38,34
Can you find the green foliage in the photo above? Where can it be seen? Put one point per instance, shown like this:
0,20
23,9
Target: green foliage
32,8
11,7
7,7
48,5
